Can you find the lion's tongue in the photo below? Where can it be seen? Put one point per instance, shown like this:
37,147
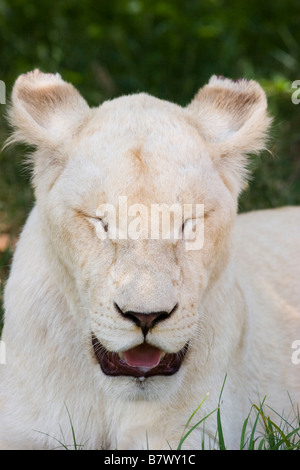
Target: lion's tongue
143,356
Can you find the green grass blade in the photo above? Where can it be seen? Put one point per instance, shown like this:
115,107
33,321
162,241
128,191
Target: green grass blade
190,418
72,429
243,433
252,435
52,437
221,440
261,444
192,429
280,432
198,407
220,431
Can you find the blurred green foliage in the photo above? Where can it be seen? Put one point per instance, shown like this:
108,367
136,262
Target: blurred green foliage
166,48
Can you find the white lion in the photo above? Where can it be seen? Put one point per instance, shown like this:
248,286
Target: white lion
123,338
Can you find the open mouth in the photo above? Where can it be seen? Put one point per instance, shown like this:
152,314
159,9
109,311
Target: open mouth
144,360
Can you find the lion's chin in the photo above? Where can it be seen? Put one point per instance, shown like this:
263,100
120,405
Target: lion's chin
144,360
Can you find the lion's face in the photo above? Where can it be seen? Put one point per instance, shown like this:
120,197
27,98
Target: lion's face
142,296
136,297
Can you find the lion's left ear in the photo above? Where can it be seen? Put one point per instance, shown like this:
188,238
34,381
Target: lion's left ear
232,118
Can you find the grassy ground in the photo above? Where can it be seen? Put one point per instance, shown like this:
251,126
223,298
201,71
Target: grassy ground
259,431
272,436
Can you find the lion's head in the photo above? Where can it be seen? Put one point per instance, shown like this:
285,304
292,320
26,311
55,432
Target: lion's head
138,299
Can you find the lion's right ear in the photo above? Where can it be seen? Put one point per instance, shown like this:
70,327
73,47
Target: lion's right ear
45,109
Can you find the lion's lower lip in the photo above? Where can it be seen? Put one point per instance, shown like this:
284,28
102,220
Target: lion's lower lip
114,364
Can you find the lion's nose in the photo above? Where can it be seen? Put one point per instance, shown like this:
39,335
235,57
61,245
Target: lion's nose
146,320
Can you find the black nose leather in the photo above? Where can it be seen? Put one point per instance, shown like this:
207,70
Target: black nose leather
146,321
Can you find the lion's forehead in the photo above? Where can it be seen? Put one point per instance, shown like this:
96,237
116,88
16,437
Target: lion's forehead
144,173
138,125
145,149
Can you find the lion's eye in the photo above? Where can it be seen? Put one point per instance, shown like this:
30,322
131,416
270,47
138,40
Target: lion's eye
100,225
193,233
191,224
105,225
193,227
188,226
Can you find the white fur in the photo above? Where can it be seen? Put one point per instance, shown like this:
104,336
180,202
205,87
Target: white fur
238,297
